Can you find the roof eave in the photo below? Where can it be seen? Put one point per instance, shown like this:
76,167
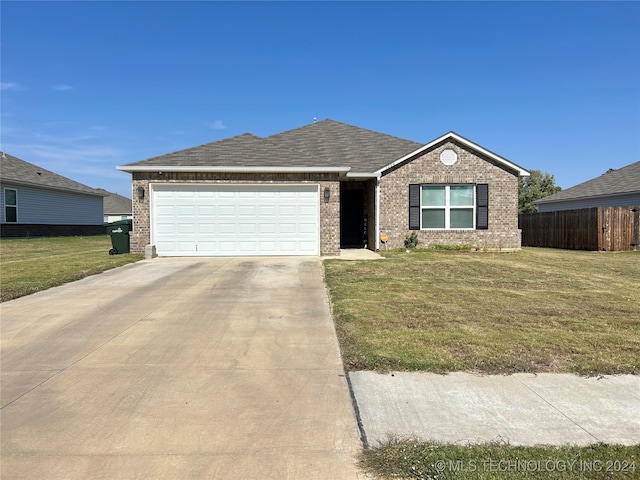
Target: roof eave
351,174
222,169
452,135
584,197
51,187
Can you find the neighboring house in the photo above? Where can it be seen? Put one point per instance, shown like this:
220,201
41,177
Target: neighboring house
322,187
116,207
37,202
617,188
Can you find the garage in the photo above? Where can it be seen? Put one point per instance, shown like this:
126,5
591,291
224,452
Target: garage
235,220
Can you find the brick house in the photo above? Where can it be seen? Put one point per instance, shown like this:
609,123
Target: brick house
319,188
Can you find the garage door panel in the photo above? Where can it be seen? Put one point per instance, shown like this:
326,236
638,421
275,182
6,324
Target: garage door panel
227,211
206,210
235,219
186,228
186,210
266,228
247,228
248,211
183,194
307,211
287,228
307,228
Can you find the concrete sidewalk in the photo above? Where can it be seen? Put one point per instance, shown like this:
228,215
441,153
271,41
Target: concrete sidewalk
521,409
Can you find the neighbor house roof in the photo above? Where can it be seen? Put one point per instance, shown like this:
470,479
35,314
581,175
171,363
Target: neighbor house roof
323,146
623,181
17,171
115,204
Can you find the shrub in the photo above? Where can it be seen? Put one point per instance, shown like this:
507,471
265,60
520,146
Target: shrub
411,241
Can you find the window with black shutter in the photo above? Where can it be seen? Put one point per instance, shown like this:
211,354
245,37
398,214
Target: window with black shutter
414,207
482,206
448,207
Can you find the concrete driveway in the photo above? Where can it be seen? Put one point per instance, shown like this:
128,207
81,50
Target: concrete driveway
224,368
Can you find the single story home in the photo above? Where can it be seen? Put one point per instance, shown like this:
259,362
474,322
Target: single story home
36,202
319,188
617,188
116,207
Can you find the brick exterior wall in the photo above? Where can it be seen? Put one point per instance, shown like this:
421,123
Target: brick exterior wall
329,212
470,168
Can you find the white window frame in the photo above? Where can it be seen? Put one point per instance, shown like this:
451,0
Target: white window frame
447,206
4,201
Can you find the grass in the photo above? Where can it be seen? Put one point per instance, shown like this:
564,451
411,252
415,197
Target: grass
411,459
34,264
535,310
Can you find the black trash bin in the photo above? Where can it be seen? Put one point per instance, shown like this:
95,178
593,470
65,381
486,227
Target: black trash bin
119,232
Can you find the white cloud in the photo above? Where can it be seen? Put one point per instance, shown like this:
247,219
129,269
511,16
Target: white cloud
62,87
216,125
11,86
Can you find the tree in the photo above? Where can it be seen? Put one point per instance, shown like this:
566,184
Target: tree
538,185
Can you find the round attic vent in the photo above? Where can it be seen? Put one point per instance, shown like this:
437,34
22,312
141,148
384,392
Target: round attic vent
448,157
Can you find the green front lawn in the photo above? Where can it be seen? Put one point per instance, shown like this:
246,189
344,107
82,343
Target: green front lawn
416,460
34,264
535,310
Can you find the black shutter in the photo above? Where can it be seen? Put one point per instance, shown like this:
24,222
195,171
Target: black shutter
482,206
414,207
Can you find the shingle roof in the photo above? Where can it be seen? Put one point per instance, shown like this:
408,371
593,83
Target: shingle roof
115,204
625,180
245,150
21,172
335,144
323,144
326,145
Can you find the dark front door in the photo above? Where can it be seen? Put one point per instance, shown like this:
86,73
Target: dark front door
351,218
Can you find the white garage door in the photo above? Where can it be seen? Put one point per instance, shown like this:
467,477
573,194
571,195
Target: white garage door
219,220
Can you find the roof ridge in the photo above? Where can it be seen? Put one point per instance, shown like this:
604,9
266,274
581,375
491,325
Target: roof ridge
336,122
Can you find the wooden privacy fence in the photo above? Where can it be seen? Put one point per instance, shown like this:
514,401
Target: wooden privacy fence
598,228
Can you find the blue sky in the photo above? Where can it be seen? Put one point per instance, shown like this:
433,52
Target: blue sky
551,86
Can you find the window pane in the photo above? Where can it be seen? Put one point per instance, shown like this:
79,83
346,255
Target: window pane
433,196
461,196
433,218
11,214
461,217
9,197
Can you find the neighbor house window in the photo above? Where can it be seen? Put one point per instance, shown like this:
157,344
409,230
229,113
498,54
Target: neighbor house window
10,205
448,207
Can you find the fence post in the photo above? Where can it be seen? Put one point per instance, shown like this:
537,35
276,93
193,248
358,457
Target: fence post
636,227
600,230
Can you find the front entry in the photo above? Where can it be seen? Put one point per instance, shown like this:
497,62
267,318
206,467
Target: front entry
352,224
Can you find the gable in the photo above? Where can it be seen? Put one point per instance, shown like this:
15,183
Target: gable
465,143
